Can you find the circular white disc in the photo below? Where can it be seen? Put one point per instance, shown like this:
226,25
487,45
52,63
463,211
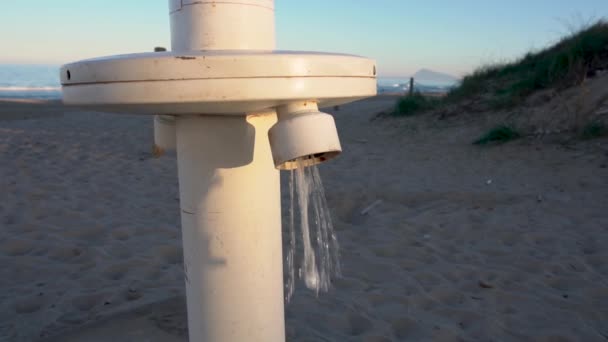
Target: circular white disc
215,82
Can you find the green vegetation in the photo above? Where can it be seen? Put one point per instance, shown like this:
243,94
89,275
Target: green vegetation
594,130
507,85
413,104
563,65
499,134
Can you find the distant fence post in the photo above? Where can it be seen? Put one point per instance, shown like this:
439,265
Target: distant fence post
411,90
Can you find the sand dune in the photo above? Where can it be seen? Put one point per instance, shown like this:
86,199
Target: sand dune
462,243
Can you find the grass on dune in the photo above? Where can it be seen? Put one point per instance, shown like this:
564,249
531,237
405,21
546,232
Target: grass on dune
498,135
507,85
413,104
562,65
594,130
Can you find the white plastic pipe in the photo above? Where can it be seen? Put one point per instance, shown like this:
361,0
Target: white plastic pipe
164,129
164,134
229,190
222,25
231,227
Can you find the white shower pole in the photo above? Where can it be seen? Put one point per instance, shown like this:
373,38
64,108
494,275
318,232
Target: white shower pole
229,189
222,25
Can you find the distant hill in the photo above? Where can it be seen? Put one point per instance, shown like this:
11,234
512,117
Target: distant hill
434,77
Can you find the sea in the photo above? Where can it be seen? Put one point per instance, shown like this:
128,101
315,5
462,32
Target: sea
42,82
402,85
30,81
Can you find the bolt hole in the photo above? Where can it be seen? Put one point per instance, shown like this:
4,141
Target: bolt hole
374,70
69,75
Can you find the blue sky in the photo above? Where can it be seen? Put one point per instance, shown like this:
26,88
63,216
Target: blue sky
402,35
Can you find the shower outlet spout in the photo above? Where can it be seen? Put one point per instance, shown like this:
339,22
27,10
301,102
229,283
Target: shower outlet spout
303,136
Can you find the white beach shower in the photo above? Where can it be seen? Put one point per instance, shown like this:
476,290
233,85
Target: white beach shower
242,111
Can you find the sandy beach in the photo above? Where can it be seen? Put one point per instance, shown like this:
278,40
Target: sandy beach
461,243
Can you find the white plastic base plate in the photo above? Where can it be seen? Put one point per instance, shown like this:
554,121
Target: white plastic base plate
215,82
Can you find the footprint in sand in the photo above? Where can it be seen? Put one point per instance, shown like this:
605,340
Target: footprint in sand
376,339
428,280
152,271
65,254
359,325
423,303
121,234
10,220
29,305
89,301
406,329
92,234
121,251
171,254
448,296
117,271
16,247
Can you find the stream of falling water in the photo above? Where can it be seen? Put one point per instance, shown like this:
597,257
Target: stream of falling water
321,258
